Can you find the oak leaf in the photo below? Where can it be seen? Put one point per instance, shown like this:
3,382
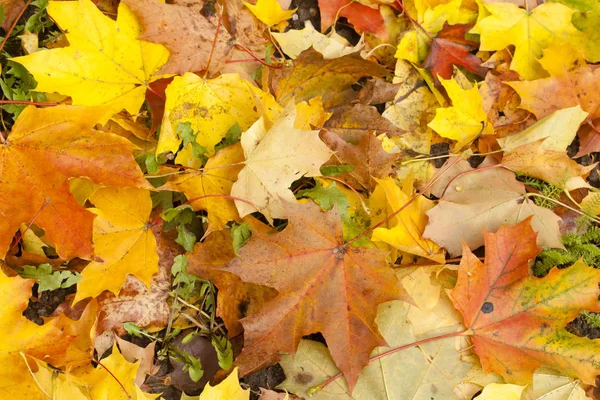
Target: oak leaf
123,241
45,148
323,287
466,119
544,96
168,24
214,181
472,200
368,157
105,65
450,48
332,80
212,107
517,321
274,159
529,31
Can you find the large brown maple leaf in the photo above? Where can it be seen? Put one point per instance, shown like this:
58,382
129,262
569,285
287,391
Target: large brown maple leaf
45,148
323,286
517,321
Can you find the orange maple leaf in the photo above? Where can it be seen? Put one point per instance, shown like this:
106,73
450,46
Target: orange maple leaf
323,287
517,321
45,148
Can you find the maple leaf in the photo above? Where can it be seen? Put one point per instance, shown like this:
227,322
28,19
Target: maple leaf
414,45
229,388
212,107
406,228
465,120
313,76
216,178
123,241
586,21
274,159
45,148
450,48
529,31
295,41
406,374
472,200
368,157
60,341
167,24
353,120
104,65
362,17
269,12
236,298
323,287
517,321
578,87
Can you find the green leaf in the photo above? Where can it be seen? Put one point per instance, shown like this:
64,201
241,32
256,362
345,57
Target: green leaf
195,369
185,238
326,198
232,136
186,133
1,14
240,233
179,265
152,163
224,352
133,329
334,170
49,279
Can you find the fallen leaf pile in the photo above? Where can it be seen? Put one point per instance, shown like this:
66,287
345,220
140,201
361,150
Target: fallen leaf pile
388,199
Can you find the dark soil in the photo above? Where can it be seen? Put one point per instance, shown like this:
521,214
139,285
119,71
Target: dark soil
267,378
581,327
44,305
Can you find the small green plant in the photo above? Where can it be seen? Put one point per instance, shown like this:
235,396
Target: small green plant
576,246
545,188
48,279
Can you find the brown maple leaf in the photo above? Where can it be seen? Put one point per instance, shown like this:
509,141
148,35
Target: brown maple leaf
188,29
45,148
368,157
362,17
313,76
544,96
323,286
236,299
352,120
517,321
450,48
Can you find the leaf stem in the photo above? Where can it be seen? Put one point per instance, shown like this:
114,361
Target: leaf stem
317,388
31,103
392,215
12,27
362,202
214,43
560,203
115,378
244,48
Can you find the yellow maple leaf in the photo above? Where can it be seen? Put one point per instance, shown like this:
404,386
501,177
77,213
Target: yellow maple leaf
406,231
105,62
275,158
500,391
465,120
529,31
123,241
270,12
414,45
211,106
216,178
61,341
229,389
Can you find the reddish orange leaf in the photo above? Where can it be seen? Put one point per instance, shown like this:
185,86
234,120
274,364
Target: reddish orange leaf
450,48
323,287
517,321
362,17
45,148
